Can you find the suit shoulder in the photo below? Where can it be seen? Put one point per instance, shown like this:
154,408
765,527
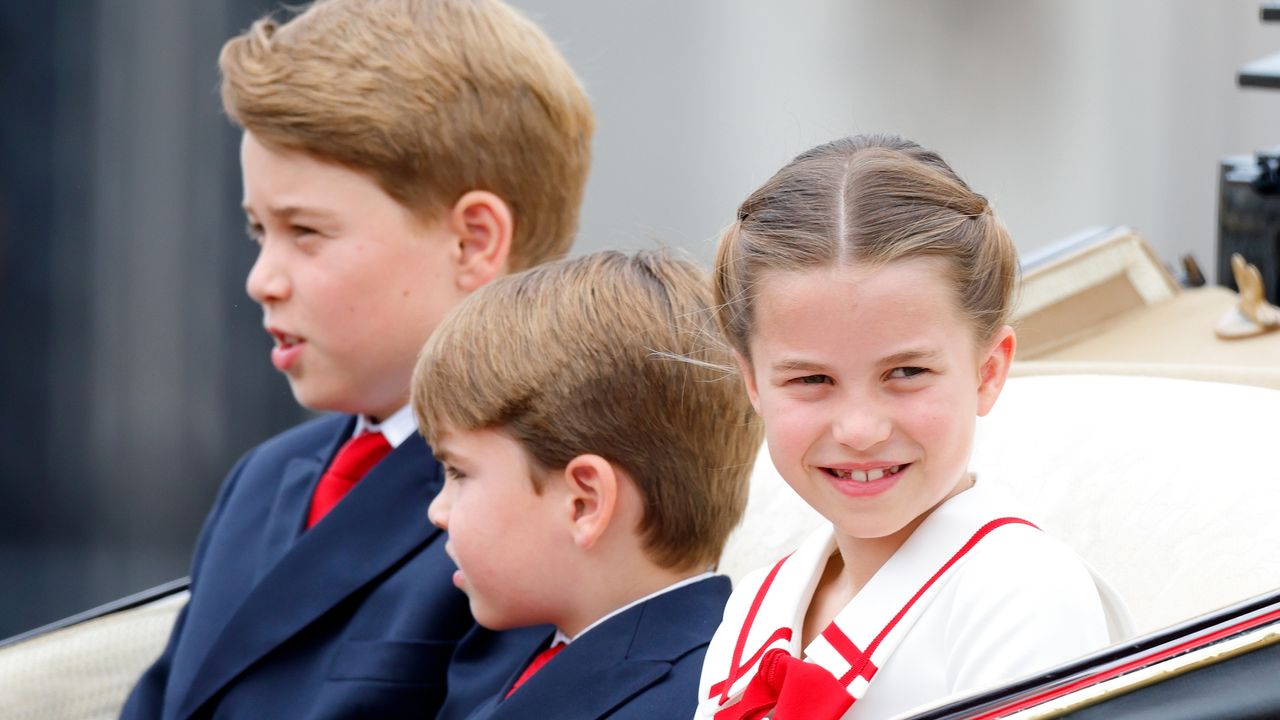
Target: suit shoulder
301,440
680,621
675,695
309,433
266,461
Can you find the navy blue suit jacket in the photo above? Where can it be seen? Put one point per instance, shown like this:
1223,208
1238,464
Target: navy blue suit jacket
356,617
641,664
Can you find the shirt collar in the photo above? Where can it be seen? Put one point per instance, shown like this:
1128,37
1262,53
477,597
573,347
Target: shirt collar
396,428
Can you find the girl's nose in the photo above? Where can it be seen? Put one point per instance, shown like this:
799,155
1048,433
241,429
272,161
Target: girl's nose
861,425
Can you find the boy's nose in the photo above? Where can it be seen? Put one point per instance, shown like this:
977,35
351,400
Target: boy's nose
438,510
266,281
861,426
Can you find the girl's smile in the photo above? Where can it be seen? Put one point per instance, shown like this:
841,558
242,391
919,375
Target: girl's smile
862,482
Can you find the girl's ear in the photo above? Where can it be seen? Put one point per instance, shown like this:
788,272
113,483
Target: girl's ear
993,369
483,225
592,484
748,380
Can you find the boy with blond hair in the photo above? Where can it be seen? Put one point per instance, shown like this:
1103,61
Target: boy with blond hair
397,155
596,453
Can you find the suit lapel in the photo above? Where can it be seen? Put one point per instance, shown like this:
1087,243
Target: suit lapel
593,675
289,512
534,643
380,522
616,661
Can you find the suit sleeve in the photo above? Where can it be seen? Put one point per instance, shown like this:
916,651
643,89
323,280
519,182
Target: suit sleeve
146,700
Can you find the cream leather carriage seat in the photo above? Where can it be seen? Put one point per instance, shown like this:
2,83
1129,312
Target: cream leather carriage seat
1169,487
84,671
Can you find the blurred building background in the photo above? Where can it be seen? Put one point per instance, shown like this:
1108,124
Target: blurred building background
133,369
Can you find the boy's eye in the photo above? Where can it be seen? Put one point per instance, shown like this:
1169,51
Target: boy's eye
453,473
254,231
906,372
300,230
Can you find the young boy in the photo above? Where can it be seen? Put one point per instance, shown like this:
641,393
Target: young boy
397,155
596,452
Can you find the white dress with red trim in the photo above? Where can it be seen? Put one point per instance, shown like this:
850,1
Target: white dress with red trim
976,596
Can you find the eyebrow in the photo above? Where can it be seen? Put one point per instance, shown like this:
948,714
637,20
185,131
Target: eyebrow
786,365
289,211
911,356
906,357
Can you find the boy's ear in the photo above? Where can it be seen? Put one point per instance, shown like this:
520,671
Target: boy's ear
748,380
483,225
593,497
993,369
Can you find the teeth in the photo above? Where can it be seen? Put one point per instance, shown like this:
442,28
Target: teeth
865,476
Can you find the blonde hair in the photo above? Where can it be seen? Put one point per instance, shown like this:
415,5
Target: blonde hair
866,200
432,98
608,354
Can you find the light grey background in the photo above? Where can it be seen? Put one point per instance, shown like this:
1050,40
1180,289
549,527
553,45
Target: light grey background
1066,114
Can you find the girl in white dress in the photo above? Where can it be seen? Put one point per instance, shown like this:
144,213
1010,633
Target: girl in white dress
866,290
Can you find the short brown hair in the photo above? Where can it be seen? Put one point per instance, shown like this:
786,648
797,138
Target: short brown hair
608,354
432,98
867,199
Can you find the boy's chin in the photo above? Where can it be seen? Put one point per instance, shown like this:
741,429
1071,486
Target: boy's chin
321,405
494,619
323,400
489,620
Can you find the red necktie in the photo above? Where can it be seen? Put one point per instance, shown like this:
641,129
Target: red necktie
356,458
539,660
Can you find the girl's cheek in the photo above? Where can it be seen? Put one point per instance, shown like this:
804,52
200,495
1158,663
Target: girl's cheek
787,422
936,417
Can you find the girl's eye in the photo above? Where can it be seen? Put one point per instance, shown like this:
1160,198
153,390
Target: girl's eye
906,372
453,473
813,380
254,231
